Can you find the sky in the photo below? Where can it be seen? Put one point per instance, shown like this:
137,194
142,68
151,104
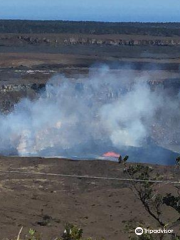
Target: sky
92,10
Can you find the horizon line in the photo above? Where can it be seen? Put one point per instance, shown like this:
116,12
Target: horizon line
93,21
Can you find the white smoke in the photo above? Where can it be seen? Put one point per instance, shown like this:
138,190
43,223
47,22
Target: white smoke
130,116
75,115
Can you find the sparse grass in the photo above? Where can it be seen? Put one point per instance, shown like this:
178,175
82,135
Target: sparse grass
71,232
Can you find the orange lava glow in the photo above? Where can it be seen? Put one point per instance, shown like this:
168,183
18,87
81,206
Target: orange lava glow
111,154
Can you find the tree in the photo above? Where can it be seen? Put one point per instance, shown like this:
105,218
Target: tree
145,185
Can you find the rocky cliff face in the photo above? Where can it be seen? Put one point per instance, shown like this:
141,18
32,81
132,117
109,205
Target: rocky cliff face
116,42
90,40
10,94
21,87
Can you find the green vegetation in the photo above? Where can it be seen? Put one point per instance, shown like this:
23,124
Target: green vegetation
154,29
71,232
146,187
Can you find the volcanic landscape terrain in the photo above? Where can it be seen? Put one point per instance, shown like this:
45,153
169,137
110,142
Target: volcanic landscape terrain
33,191
37,193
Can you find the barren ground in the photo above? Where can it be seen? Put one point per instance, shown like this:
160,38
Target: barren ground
46,202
